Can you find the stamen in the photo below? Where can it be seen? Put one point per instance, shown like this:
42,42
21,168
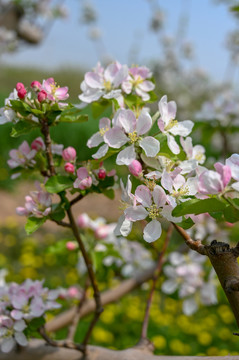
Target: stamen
133,137
153,211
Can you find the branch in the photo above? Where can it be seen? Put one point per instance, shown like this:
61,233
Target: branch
107,297
192,244
155,279
61,223
46,133
76,199
37,350
88,262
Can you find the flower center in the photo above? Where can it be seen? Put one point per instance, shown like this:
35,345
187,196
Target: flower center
107,85
153,211
54,87
102,131
199,156
183,191
150,184
171,124
137,81
133,137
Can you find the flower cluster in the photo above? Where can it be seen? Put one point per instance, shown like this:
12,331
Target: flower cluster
185,273
116,79
19,304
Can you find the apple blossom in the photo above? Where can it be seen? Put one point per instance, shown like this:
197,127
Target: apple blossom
214,182
69,154
54,92
38,144
137,81
23,156
84,180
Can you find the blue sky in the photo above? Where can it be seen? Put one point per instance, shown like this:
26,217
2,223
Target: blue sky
124,21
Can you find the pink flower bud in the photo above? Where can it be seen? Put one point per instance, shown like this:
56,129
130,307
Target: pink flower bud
36,85
38,144
102,231
73,292
71,245
102,174
83,221
85,183
20,86
135,168
22,93
41,96
69,168
69,154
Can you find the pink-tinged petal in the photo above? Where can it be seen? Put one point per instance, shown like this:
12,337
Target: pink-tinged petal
154,175
144,95
225,172
82,173
135,213
20,300
172,109
120,76
182,128
24,148
167,181
152,231
233,163
210,182
62,93
144,123
21,338
127,86
21,211
159,196
178,182
126,156
146,86
187,146
110,72
16,314
161,124
127,120
188,165
102,151
143,195
115,138
94,80
91,95
104,123
192,185
150,145
173,146
95,140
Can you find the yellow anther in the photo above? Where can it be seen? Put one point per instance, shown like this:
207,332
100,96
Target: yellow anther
153,211
102,131
171,124
133,137
199,156
107,85
150,184
181,192
123,205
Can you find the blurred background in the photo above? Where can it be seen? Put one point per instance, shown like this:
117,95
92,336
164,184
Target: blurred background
192,48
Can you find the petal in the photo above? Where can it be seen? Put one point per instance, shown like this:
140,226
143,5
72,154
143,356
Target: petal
82,173
150,145
173,146
126,156
104,123
146,86
144,123
182,128
21,338
167,181
102,151
159,196
95,140
167,213
7,344
187,166
152,231
123,227
94,80
189,306
127,120
19,325
233,163
115,138
169,286
135,213
143,195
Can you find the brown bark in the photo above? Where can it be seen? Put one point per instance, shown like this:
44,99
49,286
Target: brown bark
38,350
107,297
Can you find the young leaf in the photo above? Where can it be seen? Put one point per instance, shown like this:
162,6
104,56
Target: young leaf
73,115
197,206
23,127
58,183
33,223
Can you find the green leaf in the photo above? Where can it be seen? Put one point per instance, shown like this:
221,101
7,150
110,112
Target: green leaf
109,193
58,183
21,107
23,127
197,206
58,214
36,323
98,108
73,115
234,8
186,223
231,214
33,223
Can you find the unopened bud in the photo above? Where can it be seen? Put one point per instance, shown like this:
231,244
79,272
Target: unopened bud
101,174
36,85
135,168
69,168
22,93
42,95
38,144
69,154
20,86
71,245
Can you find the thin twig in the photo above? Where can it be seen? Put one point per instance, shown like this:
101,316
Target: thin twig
155,279
76,199
88,262
195,245
46,133
61,223
61,344
76,319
